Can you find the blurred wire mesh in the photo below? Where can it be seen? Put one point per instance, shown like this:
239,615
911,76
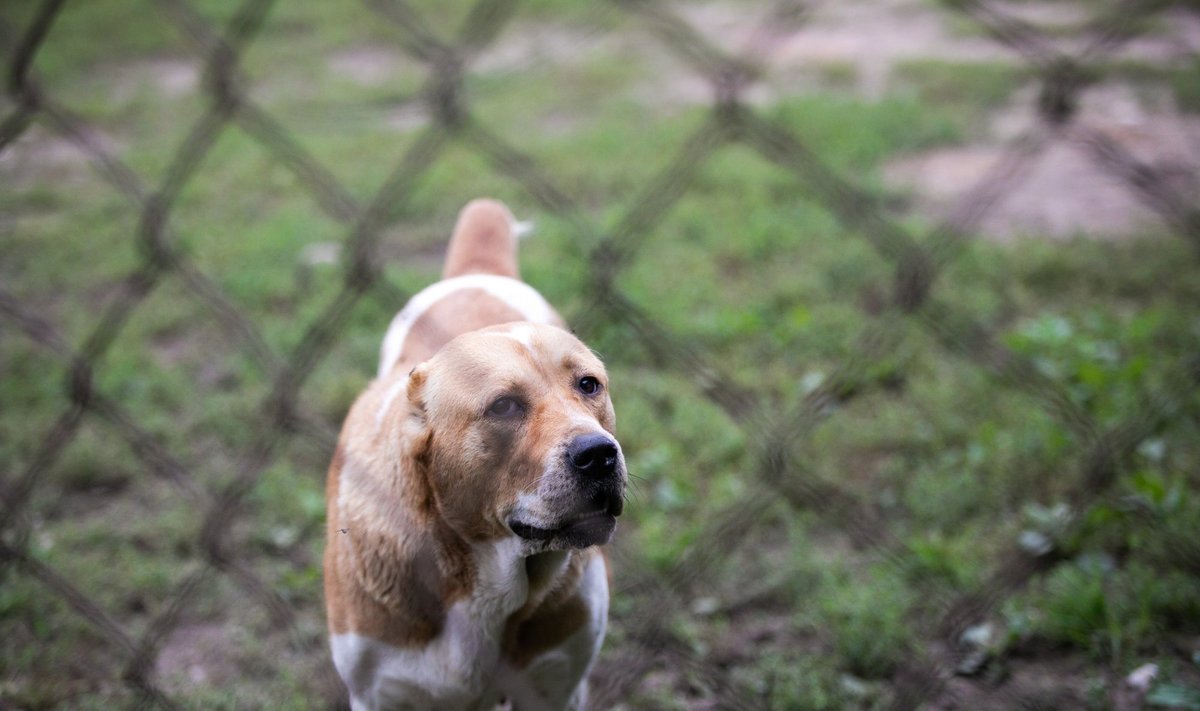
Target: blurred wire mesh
1061,70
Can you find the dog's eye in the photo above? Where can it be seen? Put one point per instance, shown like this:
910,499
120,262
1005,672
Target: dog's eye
505,407
589,385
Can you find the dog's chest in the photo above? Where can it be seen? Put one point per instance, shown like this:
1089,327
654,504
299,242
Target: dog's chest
458,668
451,672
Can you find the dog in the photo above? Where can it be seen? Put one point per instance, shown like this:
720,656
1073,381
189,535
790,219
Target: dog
473,483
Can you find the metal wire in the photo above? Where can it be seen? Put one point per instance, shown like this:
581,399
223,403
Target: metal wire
780,473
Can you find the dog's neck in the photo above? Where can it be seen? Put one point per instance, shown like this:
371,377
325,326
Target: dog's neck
509,580
543,570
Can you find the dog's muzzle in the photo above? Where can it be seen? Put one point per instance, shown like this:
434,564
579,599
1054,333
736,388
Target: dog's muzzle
597,477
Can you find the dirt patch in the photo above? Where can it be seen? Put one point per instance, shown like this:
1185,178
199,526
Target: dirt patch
1048,680
169,77
875,36
408,116
40,157
198,654
861,42
869,37
1066,192
528,45
1063,196
1175,40
369,65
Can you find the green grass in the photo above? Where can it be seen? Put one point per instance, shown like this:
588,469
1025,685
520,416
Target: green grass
748,268
973,87
1180,80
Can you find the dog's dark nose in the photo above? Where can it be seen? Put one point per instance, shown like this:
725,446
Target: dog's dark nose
593,455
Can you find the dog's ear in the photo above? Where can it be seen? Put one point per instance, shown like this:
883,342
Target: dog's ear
399,573
400,420
385,500
416,387
415,427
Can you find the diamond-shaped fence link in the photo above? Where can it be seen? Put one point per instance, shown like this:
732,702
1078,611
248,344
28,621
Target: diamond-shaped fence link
776,439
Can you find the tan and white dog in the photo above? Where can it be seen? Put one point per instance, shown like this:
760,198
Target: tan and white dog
473,481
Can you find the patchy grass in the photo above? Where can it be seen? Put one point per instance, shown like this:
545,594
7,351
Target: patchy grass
972,89
1180,80
748,267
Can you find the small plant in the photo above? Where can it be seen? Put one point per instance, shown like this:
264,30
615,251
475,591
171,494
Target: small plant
869,622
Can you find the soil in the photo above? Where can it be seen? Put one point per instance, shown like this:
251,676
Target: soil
197,654
1064,194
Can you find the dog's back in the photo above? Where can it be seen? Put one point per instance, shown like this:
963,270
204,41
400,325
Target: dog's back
481,257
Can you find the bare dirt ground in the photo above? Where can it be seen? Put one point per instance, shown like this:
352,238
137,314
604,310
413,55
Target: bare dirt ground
1065,194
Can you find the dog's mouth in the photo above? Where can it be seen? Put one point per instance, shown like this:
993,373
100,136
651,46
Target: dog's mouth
586,529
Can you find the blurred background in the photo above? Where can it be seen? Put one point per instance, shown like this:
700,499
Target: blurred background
900,301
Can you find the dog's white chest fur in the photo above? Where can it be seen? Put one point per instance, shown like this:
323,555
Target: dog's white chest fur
462,668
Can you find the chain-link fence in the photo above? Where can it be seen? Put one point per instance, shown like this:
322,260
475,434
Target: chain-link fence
776,439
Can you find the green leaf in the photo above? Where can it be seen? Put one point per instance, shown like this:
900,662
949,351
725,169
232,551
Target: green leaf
1174,696
1149,484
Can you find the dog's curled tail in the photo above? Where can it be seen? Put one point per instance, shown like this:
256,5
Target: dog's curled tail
484,241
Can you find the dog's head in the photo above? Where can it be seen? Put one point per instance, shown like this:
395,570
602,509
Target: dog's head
517,431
